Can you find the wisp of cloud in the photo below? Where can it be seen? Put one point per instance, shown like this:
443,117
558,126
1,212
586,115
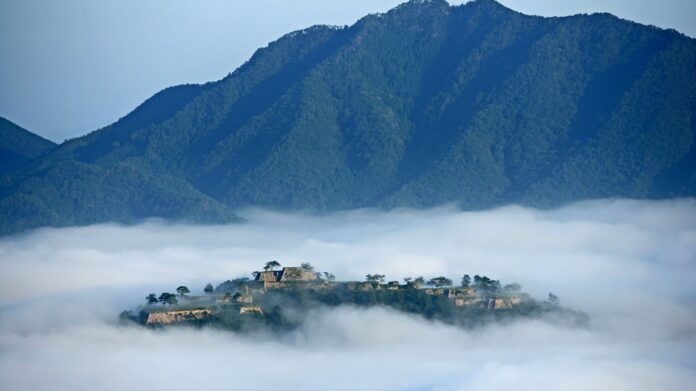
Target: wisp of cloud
630,265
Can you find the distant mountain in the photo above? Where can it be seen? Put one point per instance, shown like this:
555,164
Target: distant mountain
18,146
428,103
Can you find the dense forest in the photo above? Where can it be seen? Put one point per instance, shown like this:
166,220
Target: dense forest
19,146
428,103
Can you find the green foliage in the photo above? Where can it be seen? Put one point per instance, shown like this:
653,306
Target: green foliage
74,193
553,299
288,306
230,286
151,299
271,265
485,285
466,281
19,146
168,298
375,277
285,309
440,281
428,103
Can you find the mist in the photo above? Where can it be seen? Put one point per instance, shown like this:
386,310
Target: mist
630,265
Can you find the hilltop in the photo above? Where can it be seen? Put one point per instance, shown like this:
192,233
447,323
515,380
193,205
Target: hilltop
428,103
19,146
280,299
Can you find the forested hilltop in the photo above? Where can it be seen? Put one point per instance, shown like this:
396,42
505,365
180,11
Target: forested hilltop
19,146
428,103
281,299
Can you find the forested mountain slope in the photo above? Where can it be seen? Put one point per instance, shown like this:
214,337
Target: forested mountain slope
428,103
18,146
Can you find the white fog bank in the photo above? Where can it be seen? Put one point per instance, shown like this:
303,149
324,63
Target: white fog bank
630,265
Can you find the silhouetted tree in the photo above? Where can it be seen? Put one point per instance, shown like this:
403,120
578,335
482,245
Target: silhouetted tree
208,289
271,265
182,290
486,285
306,266
151,298
375,277
440,281
466,281
125,317
553,299
329,277
514,287
167,298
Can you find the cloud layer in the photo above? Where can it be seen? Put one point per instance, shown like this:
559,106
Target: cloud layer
629,264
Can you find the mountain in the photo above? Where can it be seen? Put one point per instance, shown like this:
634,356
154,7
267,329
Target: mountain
428,103
18,146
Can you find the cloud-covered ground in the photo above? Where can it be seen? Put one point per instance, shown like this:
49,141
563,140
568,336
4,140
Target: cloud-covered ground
631,265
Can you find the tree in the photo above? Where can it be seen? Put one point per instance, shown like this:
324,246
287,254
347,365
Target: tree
182,290
482,283
329,277
271,265
375,277
407,280
418,282
151,298
553,299
439,281
125,317
167,298
514,287
208,289
466,281
306,266
255,274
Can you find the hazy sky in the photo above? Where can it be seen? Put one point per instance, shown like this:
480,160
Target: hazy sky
71,66
630,265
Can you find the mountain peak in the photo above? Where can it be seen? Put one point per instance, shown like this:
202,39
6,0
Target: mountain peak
427,2
424,105
418,4
487,4
18,146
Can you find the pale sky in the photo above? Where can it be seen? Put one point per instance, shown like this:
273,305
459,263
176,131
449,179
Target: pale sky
68,67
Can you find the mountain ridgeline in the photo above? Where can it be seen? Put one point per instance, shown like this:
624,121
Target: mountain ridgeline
19,146
428,103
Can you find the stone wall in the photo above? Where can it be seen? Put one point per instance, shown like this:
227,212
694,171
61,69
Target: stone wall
268,276
297,274
244,299
168,317
252,309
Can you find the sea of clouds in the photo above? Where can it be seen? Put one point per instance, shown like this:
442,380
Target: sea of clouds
630,265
